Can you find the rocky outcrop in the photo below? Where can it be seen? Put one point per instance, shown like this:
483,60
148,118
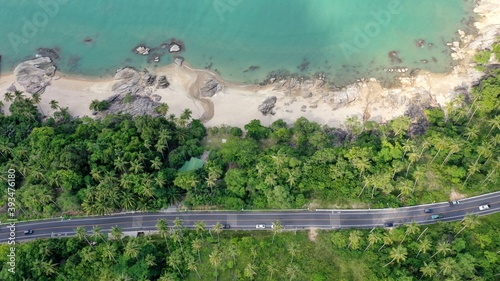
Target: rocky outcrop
174,48
149,79
139,106
210,88
12,88
142,50
268,105
345,96
129,82
162,82
35,75
179,60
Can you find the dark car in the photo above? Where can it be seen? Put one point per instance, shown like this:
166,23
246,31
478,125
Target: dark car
438,216
428,211
453,203
226,226
27,232
388,224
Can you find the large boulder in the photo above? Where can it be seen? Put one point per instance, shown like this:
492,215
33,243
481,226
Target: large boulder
210,88
149,79
32,74
129,82
268,105
162,82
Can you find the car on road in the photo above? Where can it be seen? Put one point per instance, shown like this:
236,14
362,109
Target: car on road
484,207
260,226
389,224
438,216
428,211
29,231
226,226
453,203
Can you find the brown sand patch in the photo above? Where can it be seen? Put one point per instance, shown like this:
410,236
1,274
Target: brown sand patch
313,233
454,195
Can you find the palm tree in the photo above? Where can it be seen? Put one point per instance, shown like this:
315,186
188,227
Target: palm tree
249,271
428,270
411,229
156,163
367,180
494,123
174,260
81,234
454,148
36,98
354,239
272,268
54,104
117,233
109,252
150,260
215,260
483,150
162,227
277,228
373,238
424,246
200,228
196,245
96,232
440,145
474,168
470,221
233,253
162,109
405,187
293,250
418,175
191,265
217,229
292,271
398,254
8,97
167,277
447,266
472,132
88,255
443,248
425,144
387,239
408,146
131,249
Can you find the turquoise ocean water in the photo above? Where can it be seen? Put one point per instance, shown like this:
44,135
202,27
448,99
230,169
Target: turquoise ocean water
344,39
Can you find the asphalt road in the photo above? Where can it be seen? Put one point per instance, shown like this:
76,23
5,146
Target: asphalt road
245,220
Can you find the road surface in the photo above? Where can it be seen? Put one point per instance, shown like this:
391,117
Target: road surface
246,220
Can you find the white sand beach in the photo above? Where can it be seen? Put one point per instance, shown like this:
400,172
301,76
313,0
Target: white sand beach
237,105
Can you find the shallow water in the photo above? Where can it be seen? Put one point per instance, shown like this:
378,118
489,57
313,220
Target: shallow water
343,39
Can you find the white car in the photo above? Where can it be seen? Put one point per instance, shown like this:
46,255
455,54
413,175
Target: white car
260,226
484,207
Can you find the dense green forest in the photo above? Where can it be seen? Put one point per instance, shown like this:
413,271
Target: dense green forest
69,166
468,250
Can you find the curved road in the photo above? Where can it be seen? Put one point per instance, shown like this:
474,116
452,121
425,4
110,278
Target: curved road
320,218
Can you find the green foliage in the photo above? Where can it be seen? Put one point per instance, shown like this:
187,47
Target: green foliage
482,57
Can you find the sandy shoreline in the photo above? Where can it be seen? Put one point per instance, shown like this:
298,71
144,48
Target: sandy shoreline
236,105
